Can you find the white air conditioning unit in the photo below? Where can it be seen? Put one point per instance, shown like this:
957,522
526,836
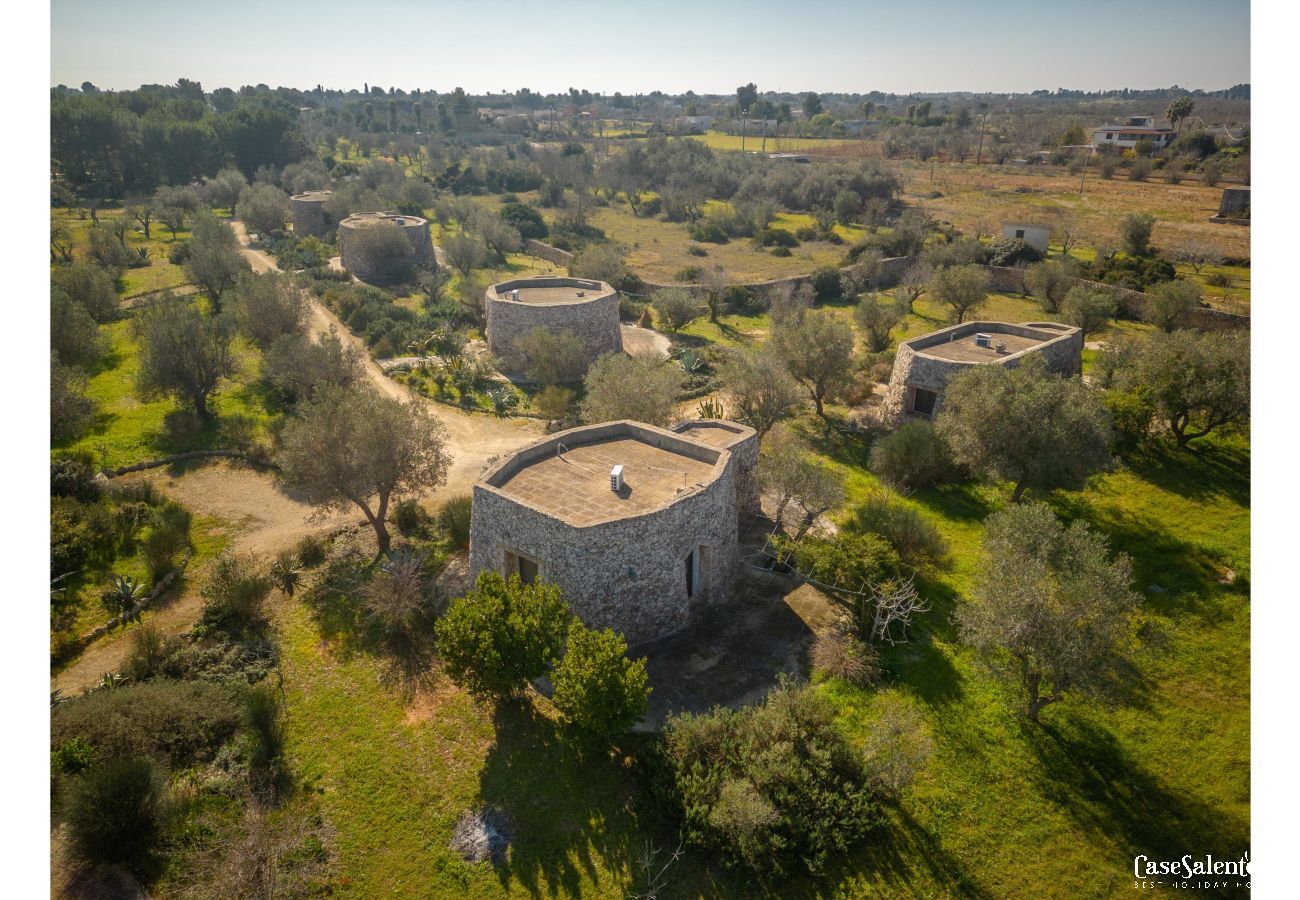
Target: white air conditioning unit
616,479
514,295
983,340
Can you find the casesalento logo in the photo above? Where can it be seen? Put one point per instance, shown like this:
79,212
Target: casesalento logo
1194,871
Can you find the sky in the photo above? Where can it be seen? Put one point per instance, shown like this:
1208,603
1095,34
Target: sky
668,45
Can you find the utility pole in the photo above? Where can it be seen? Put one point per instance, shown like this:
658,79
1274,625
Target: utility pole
744,118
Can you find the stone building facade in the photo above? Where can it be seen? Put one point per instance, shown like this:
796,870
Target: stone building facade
923,365
641,559
308,211
414,228
588,309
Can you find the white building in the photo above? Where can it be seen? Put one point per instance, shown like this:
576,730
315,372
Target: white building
1034,235
1137,129
694,123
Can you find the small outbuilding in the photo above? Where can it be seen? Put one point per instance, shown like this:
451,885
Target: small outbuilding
1035,236
923,365
638,525
585,308
1234,206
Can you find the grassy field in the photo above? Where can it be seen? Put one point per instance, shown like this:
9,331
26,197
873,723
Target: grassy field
127,429
979,199
159,274
753,143
1005,809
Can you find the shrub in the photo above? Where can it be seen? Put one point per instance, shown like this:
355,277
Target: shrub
233,592
169,534
1013,252
310,550
914,456
708,232
826,283
502,634
773,788
675,307
72,757
114,811
696,250
149,651
838,654
454,520
898,744
777,237
599,692
524,219
688,274
409,516
916,540
850,558
554,402
1132,415
178,722
781,251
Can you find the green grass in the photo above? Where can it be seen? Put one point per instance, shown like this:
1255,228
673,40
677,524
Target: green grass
159,274
127,429
717,140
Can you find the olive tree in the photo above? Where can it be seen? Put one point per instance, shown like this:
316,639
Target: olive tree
382,248
354,446
794,478
675,307
551,357
183,353
963,288
224,188
1196,382
264,208
70,408
877,320
1090,309
215,260
74,336
91,286
298,366
761,388
1049,281
269,306
1170,304
818,351
627,387
1135,233
1025,425
1050,604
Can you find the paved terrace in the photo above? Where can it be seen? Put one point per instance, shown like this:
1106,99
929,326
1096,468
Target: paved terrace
574,485
956,343
549,290
966,350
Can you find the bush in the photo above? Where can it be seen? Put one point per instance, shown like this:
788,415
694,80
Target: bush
169,534
898,745
310,550
554,402
850,558
675,308
1132,415
1013,252
837,654
178,722
914,456
454,520
708,232
688,274
914,538
233,593
114,811
826,283
599,692
777,237
773,788
524,219
502,634
781,251
409,516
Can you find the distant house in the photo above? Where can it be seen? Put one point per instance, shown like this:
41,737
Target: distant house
1034,235
791,157
694,123
1139,128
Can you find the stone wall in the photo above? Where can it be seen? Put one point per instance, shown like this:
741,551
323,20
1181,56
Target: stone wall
1234,202
593,321
414,228
534,247
308,210
627,574
743,447
914,368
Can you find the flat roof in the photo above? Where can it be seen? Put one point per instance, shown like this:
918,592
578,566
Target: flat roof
714,432
958,343
549,290
573,483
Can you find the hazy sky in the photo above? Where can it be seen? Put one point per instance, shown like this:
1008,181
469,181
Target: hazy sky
670,45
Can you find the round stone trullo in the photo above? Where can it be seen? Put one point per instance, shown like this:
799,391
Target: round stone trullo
588,309
415,228
641,548
309,216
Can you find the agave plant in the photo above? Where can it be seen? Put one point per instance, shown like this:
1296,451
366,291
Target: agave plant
691,362
712,408
122,594
285,572
503,399
111,680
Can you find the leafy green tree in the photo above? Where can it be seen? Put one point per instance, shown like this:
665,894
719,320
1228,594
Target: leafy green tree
269,306
1135,233
183,353
74,336
877,320
1170,304
1025,425
70,408
502,634
551,357
675,307
91,286
1051,605
214,262
354,446
761,388
963,288
115,810
1090,309
599,692
797,479
1178,110
625,387
1197,382
818,351
264,208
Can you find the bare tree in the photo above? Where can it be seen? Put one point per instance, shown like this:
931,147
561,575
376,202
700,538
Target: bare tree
1198,255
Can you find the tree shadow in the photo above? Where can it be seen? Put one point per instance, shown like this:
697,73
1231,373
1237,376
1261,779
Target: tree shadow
563,825
961,501
1198,472
1087,773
